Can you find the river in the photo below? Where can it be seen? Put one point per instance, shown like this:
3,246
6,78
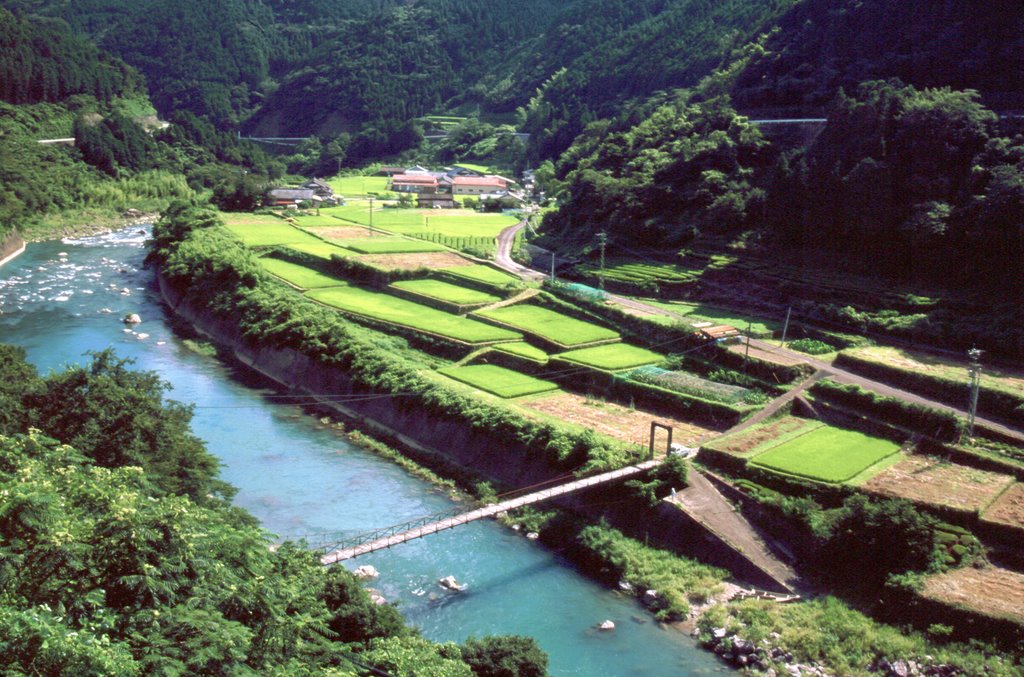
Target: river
61,299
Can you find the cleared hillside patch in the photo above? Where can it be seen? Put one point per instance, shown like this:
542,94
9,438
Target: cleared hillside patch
933,481
550,325
827,454
387,308
613,357
992,591
613,420
498,380
1008,509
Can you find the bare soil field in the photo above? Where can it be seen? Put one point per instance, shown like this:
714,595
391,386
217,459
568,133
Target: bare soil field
342,233
613,420
743,443
414,261
766,355
992,591
936,482
1008,508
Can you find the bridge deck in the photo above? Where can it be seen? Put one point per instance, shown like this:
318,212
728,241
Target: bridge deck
480,513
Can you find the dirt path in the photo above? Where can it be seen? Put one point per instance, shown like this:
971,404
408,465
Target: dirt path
703,503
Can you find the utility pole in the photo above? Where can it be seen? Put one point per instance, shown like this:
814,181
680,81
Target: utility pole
371,217
785,327
974,372
746,353
552,267
602,242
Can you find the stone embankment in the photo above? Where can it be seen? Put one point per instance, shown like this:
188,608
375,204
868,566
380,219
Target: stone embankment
770,658
11,246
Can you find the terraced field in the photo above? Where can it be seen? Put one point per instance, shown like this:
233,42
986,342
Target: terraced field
524,350
320,249
269,233
387,308
391,245
299,275
641,272
550,325
482,274
498,380
613,357
827,454
932,481
443,291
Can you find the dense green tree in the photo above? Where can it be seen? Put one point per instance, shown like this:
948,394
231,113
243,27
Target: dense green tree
118,417
506,656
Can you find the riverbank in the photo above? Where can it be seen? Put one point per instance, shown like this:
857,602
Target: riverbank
85,223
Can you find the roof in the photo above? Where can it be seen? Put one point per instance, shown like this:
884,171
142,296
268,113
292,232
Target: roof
421,179
292,194
493,181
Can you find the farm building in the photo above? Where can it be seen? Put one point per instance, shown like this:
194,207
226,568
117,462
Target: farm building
414,183
478,185
314,190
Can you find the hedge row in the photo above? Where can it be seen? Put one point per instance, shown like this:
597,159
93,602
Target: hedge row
941,425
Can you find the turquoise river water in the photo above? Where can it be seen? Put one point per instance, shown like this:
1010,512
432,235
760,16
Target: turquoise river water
61,299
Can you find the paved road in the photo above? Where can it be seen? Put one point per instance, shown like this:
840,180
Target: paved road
503,256
505,261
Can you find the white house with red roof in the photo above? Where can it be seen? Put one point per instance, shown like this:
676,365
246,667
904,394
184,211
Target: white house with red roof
478,185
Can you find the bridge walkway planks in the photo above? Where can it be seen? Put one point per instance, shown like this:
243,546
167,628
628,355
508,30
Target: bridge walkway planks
491,510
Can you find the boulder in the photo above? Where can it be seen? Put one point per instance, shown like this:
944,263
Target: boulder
742,646
449,583
626,586
533,535
132,318
719,633
900,669
606,625
650,597
366,571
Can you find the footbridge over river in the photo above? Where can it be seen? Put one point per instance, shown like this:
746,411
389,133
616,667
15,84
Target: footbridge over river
400,533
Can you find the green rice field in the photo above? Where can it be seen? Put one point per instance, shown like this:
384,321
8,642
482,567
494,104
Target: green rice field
827,454
424,222
498,380
381,306
270,233
359,186
613,357
319,248
299,275
444,291
481,273
524,350
391,245
314,221
550,325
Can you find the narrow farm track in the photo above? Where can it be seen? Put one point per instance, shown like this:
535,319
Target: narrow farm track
506,237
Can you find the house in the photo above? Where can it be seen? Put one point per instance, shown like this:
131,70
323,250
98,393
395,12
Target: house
416,182
390,170
320,187
314,190
478,185
436,201
279,197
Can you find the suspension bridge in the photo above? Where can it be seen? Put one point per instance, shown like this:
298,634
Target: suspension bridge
400,533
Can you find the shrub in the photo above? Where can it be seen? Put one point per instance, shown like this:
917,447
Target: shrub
811,346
